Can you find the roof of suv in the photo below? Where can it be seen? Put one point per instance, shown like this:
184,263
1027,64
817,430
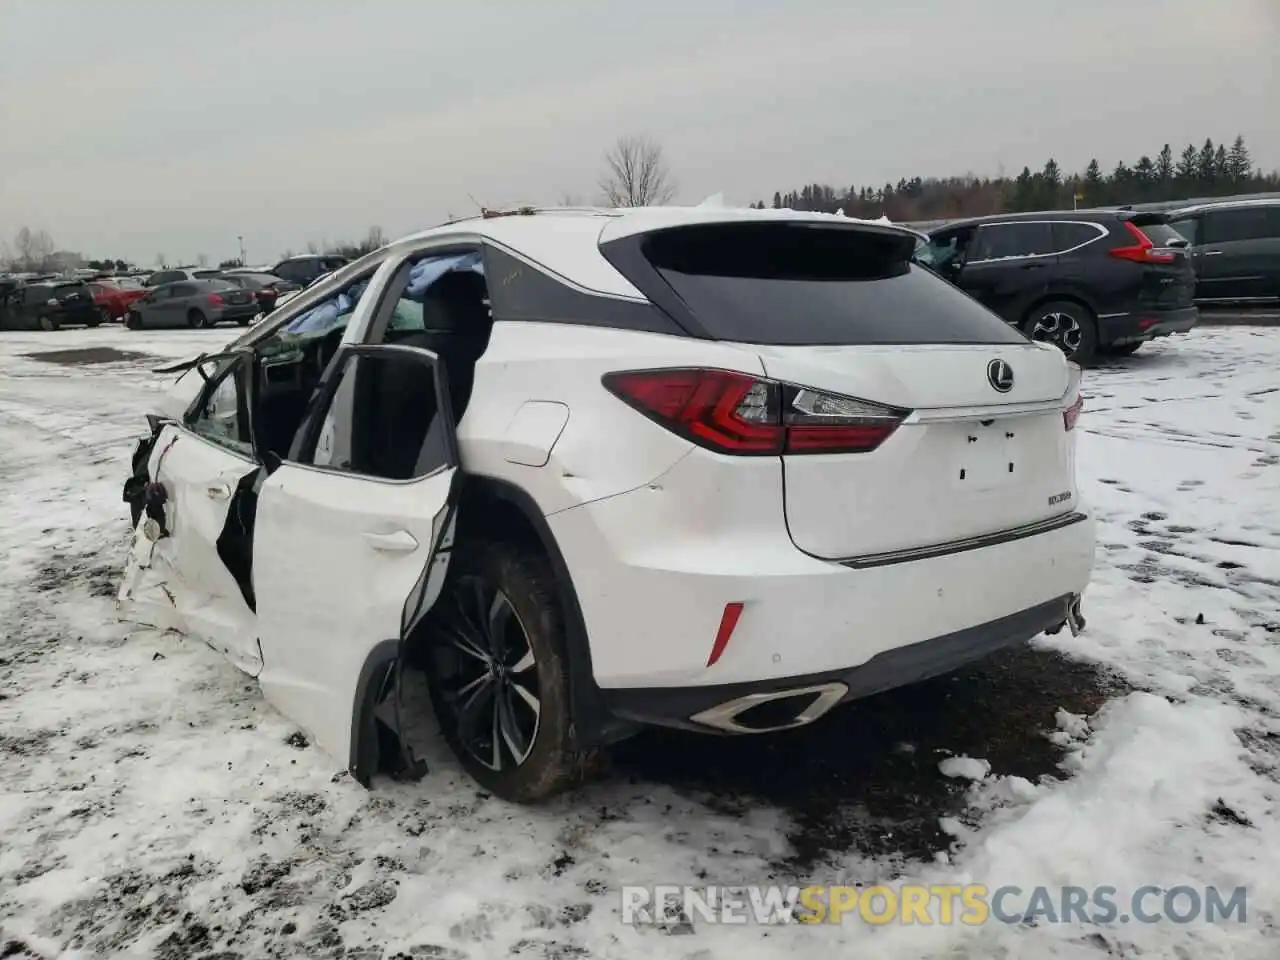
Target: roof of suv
1092,213
1223,205
566,241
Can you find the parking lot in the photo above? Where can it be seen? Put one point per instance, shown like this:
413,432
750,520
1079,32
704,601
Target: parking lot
153,802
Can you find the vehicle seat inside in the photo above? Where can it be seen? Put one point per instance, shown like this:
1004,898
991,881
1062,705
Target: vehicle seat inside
456,327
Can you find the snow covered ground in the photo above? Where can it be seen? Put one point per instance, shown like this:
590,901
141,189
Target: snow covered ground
152,805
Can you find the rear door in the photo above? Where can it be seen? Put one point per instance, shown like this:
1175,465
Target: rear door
201,465
975,441
1009,265
152,307
1238,253
353,534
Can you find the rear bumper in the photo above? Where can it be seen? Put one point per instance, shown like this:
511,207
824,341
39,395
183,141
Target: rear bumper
793,701
653,577
1140,325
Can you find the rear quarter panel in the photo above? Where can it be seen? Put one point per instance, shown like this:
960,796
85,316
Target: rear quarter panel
605,447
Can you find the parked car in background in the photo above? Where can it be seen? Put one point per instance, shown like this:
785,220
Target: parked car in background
173,276
49,305
112,297
265,287
192,303
304,270
1088,281
1235,247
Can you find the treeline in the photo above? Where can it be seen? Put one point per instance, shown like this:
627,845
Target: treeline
1212,170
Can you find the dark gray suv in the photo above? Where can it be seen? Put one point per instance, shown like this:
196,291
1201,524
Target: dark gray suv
1235,247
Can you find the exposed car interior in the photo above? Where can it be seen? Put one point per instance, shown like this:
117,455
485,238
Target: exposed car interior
443,307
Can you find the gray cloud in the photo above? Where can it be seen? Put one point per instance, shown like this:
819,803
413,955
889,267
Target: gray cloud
174,127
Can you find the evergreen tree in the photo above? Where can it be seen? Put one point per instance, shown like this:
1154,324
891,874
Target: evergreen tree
1164,167
1093,185
777,200
1239,166
1024,191
1205,164
1188,168
1221,168
1050,185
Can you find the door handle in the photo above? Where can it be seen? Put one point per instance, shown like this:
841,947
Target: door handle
219,492
1212,253
401,541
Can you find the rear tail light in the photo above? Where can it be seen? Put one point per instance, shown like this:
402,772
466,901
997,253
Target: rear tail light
1072,413
737,413
215,300
1143,250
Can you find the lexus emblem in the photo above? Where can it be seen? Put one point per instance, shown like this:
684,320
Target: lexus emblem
1000,376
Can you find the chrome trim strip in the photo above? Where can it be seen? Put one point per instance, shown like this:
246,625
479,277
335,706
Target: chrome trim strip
960,546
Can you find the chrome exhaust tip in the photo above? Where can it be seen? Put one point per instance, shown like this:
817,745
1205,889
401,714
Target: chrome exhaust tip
1075,619
772,713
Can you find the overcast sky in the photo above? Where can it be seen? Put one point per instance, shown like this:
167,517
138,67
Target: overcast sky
135,127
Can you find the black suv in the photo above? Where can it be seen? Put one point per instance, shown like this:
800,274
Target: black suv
48,306
305,270
1235,247
1089,281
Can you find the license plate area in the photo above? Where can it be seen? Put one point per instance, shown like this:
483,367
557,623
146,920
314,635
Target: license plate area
985,454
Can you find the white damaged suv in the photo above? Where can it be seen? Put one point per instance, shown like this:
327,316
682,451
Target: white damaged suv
589,470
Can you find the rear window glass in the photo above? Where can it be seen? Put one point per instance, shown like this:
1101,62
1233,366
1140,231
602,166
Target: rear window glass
1186,229
1005,241
1165,234
788,284
68,289
1069,236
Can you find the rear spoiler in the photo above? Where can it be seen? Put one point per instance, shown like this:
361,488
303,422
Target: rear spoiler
1143,218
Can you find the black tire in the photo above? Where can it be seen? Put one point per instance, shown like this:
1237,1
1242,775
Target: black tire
133,321
1122,349
104,316
1068,325
242,321
48,323
533,626
197,320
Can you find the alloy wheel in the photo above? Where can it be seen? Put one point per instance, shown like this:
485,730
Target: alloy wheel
487,673
1061,329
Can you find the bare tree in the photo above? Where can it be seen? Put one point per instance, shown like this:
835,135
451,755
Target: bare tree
202,259
636,174
42,247
313,247
22,245
34,249
375,238
160,261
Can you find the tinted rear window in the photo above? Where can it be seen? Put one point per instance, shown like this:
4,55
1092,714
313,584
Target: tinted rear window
1165,235
1002,241
1185,229
794,284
